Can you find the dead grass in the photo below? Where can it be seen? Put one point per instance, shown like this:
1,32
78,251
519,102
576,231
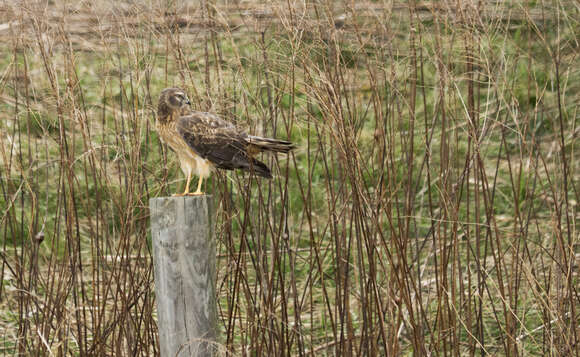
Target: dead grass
431,206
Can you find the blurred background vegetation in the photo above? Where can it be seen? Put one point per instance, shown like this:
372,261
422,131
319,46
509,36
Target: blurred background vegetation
431,206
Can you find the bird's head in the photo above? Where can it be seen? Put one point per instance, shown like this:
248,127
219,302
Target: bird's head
172,100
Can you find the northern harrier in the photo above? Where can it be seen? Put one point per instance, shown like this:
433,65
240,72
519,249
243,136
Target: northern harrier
204,141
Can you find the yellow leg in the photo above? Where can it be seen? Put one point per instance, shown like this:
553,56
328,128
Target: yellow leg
186,192
198,191
187,184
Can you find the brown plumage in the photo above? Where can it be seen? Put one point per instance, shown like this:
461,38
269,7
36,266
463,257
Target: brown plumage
204,141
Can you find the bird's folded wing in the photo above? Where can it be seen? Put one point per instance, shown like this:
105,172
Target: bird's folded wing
214,139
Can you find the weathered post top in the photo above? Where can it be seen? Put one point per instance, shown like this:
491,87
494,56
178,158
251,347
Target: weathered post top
185,271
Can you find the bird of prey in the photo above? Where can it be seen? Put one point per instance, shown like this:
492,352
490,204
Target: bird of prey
204,141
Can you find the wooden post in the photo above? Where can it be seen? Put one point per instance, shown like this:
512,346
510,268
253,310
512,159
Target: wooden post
185,271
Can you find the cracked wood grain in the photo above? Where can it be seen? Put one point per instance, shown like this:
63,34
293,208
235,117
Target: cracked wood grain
185,270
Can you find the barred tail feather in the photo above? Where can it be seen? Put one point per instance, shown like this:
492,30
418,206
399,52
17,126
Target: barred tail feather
268,144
